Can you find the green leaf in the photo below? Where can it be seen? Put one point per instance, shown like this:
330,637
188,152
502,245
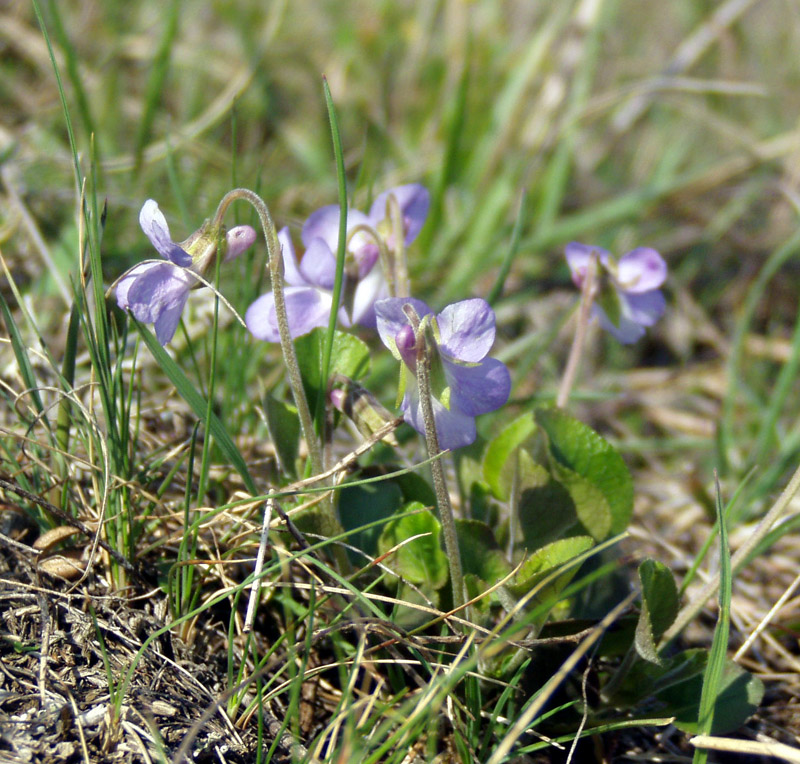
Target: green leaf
591,507
497,463
350,358
422,560
674,689
545,561
480,553
199,405
283,425
660,600
577,450
546,511
360,505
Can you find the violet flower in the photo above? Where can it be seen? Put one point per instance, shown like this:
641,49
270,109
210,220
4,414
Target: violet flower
156,292
465,383
635,301
310,281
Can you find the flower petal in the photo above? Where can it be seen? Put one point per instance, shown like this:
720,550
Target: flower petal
476,390
318,266
391,318
166,324
154,224
454,429
641,270
369,290
578,259
306,309
291,269
644,309
322,224
467,329
638,311
156,293
627,332
239,238
414,201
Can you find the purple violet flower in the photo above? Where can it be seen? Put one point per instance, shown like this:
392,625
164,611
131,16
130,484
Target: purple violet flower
309,290
635,301
465,383
156,292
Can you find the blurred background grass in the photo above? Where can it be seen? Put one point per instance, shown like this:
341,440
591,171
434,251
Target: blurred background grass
614,122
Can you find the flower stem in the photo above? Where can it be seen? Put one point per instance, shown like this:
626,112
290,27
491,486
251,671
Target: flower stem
437,470
579,340
287,346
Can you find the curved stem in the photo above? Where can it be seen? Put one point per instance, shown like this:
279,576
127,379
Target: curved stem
287,346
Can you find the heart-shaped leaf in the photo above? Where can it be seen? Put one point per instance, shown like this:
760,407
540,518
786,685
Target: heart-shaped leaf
577,450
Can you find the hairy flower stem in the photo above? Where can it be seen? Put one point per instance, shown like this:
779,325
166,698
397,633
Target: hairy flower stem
437,470
331,522
579,340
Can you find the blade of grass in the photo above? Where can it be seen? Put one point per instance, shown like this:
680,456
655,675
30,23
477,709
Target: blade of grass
155,85
719,647
319,414
198,405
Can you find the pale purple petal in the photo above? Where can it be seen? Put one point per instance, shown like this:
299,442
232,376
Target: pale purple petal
239,238
578,256
453,428
291,269
306,309
166,324
322,224
154,224
476,390
641,270
391,318
368,292
644,309
627,332
156,293
414,202
467,330
318,266
128,279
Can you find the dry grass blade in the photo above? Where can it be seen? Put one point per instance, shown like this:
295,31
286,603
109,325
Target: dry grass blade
748,747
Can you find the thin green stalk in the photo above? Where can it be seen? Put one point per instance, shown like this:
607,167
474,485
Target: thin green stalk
719,647
201,488
340,251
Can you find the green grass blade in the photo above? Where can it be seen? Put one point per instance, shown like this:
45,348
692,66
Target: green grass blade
158,75
319,414
736,358
20,353
719,647
198,405
71,62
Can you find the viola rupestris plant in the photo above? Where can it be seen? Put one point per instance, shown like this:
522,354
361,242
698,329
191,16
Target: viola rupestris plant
156,292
